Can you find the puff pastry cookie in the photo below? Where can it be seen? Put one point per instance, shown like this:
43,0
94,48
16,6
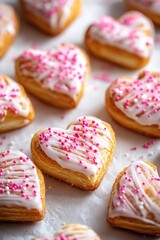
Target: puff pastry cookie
9,26
135,103
151,8
51,16
16,110
80,155
57,77
73,231
22,190
127,41
135,199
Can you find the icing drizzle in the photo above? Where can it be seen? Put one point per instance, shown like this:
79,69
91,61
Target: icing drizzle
6,20
62,69
80,147
138,194
133,33
139,99
19,183
54,12
151,5
11,98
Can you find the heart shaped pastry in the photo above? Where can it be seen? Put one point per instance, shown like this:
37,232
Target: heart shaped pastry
80,155
51,16
16,109
73,231
135,199
22,190
9,25
135,103
57,77
127,41
151,8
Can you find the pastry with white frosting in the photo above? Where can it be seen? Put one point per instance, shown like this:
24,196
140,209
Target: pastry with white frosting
127,41
22,189
135,199
80,155
51,16
57,76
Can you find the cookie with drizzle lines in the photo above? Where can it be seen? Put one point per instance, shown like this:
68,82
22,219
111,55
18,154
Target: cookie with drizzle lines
127,41
51,16
73,232
16,109
80,155
57,77
9,26
135,199
150,8
135,103
22,189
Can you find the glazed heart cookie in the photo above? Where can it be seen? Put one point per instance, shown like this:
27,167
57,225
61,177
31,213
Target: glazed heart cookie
73,232
135,199
135,103
127,41
51,16
22,190
57,77
9,25
150,8
16,110
80,155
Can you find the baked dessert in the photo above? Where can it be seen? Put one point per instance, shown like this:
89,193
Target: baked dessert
135,199
80,155
73,231
51,16
151,8
16,110
135,103
57,77
127,41
9,26
22,189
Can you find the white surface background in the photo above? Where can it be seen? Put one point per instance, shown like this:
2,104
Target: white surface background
65,204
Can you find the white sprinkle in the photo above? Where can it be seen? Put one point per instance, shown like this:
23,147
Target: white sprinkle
135,100
8,192
150,154
7,171
7,188
11,168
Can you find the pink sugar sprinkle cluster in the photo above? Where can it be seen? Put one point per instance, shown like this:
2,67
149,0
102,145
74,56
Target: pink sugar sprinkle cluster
69,67
55,6
82,138
25,188
63,237
151,99
8,98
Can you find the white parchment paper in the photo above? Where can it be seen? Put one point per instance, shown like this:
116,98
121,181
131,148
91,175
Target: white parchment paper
65,204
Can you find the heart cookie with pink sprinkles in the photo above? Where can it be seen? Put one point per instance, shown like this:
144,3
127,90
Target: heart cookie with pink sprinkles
135,199
57,76
135,104
80,155
22,189
127,41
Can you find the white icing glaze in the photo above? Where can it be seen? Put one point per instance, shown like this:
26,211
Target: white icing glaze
11,98
78,148
19,183
150,5
62,69
138,194
138,99
6,20
54,12
76,232
133,33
